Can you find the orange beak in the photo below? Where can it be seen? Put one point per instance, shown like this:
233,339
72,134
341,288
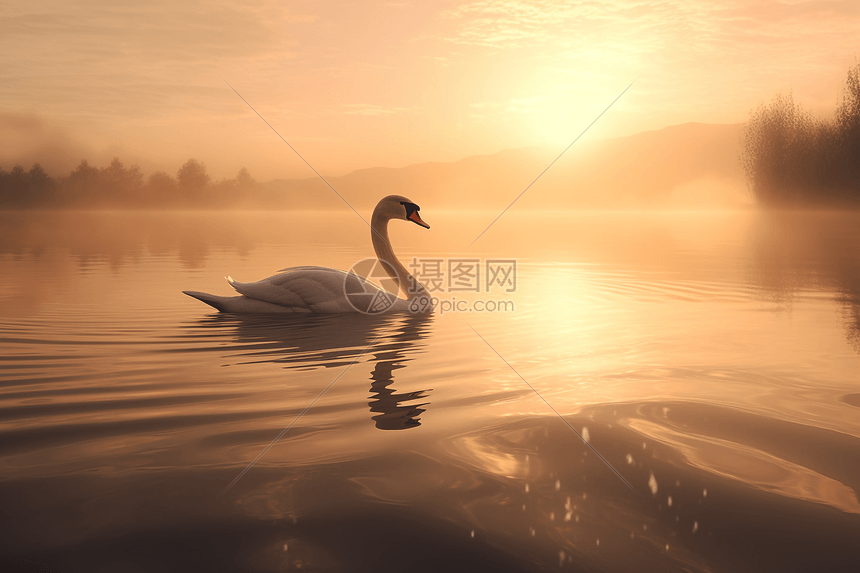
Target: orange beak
416,218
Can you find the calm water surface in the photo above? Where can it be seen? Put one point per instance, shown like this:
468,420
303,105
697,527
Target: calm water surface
712,359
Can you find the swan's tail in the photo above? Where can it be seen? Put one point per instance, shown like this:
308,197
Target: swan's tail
212,300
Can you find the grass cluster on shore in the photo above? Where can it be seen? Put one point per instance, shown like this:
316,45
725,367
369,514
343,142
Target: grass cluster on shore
792,158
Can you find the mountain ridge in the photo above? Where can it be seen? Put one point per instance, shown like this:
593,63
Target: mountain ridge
690,163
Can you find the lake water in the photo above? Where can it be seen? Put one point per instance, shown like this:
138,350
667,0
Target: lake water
712,359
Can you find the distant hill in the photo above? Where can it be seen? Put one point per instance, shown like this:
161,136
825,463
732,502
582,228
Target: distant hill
682,165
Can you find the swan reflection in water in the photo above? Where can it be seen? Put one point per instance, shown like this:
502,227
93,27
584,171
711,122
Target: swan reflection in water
309,342
391,415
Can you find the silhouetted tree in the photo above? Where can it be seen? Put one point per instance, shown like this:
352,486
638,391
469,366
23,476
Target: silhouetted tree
15,187
244,179
790,157
161,190
42,186
234,192
81,186
848,125
118,184
193,179
38,178
22,189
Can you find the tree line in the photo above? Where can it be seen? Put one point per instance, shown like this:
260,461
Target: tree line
118,186
793,158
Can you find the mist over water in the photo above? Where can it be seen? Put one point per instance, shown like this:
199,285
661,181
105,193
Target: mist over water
712,358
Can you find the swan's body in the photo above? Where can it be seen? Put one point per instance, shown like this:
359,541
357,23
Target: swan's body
323,290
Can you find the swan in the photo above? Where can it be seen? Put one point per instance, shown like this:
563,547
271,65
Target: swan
308,289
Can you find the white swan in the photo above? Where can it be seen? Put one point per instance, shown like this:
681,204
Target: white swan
325,290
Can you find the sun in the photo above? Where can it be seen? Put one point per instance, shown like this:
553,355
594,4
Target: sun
560,115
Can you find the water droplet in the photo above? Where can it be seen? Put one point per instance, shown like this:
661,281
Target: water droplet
643,445
527,488
585,434
644,527
667,547
677,483
704,493
652,483
598,542
584,495
576,518
532,531
561,558
552,516
557,484
567,503
286,546
473,534
524,507
629,460
695,526
568,515
668,500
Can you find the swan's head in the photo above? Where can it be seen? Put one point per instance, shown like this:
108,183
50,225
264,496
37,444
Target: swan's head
399,207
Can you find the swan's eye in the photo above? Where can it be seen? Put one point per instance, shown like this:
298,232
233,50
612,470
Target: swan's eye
410,208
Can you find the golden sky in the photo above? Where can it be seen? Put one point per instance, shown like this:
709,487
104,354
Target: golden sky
361,84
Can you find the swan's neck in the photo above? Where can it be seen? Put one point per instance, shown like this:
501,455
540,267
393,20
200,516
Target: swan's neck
395,269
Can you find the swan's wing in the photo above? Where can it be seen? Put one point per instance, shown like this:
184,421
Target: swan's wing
309,267
318,289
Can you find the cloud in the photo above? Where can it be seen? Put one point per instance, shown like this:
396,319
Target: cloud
114,60
703,55
370,109
651,28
